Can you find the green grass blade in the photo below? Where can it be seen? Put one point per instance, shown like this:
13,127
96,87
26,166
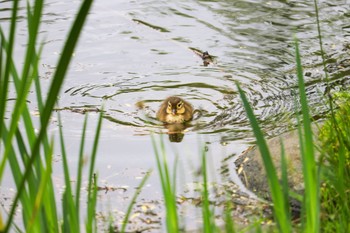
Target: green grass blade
2,88
42,189
94,149
285,187
17,82
169,194
71,210
1,64
320,39
51,99
280,212
208,222
175,174
50,209
20,100
92,186
26,115
170,191
91,223
17,173
9,49
229,223
309,147
17,112
22,87
26,80
133,200
312,207
33,28
80,166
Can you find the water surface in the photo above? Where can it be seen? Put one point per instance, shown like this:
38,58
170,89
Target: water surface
134,52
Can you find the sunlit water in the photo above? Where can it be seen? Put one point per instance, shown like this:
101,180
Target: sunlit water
121,64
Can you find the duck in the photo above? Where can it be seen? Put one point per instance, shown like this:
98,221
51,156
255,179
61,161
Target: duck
175,110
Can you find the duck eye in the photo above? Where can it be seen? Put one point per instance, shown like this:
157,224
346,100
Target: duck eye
179,105
169,104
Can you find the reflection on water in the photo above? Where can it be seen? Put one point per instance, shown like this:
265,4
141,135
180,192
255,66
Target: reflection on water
176,131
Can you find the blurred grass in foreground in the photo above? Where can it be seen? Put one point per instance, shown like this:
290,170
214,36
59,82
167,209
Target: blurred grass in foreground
29,153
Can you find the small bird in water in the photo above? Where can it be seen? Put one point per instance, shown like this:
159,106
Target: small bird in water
175,110
207,58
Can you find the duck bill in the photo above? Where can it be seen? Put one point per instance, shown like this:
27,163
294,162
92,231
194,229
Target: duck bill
173,111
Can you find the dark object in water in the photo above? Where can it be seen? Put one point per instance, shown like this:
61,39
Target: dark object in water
206,57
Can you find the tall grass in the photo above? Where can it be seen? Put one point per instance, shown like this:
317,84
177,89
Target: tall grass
311,202
311,178
168,186
336,186
168,183
209,225
278,198
29,154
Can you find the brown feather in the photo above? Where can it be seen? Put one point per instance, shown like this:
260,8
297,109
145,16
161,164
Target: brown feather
170,105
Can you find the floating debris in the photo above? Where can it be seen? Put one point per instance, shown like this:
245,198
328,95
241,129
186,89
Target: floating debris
79,109
109,188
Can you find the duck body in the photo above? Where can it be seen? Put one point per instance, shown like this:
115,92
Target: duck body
175,110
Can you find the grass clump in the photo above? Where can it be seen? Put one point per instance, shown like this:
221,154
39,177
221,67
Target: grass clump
334,135
28,153
334,140
168,183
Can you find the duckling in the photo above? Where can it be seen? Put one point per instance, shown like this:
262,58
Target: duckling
175,110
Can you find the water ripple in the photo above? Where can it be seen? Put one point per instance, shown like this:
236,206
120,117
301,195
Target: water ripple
147,58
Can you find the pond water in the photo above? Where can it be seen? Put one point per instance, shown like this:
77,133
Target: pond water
134,54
